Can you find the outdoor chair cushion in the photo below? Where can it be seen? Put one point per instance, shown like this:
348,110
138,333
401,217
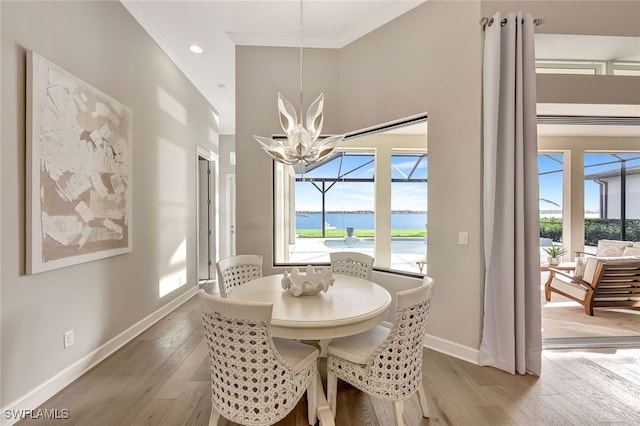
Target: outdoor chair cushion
566,285
592,264
607,248
632,251
581,265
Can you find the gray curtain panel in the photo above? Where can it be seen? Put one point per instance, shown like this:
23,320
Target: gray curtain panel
511,334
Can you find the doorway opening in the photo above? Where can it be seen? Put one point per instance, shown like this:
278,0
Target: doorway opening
589,167
207,216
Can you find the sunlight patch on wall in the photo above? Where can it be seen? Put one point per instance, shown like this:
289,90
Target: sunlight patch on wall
172,254
172,172
171,106
172,281
172,246
180,255
173,215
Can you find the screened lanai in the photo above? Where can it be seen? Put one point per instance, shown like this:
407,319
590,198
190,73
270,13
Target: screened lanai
369,197
611,196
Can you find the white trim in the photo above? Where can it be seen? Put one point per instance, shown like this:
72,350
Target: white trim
230,210
453,349
38,395
214,193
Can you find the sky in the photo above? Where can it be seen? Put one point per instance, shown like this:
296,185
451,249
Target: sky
360,195
551,184
413,196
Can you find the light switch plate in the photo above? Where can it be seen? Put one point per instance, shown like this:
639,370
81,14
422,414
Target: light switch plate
68,339
463,238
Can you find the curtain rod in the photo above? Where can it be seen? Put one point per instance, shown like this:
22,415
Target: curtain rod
484,21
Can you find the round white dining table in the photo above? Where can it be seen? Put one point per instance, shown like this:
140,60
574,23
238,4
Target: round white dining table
352,305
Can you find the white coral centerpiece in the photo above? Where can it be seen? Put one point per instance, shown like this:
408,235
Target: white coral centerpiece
309,283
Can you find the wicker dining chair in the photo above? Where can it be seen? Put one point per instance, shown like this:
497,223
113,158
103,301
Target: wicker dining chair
386,363
256,379
351,263
236,270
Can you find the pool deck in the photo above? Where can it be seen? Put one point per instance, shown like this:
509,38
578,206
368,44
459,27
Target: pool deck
405,251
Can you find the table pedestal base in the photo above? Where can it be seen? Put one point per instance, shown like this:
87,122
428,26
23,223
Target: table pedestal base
325,416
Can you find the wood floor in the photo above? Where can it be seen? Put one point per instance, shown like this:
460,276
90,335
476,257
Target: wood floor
162,378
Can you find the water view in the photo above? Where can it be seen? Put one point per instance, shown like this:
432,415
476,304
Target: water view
360,220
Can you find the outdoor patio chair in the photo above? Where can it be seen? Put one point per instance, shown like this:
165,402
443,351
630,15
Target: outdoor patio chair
605,282
236,270
386,363
256,379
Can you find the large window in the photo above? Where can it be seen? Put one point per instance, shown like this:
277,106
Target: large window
587,54
611,197
408,210
334,206
550,170
370,197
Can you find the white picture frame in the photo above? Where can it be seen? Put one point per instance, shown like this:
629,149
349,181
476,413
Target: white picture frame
78,171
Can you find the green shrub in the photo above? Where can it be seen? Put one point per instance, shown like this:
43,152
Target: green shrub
595,229
551,227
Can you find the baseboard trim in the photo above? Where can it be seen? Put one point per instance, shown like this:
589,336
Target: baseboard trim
453,349
40,394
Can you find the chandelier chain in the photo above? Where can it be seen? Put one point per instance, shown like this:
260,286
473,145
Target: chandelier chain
300,119
303,145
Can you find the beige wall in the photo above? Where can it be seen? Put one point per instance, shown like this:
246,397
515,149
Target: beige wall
428,60
102,44
424,62
260,74
421,62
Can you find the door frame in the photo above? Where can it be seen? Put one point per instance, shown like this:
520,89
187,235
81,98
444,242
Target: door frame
230,233
214,213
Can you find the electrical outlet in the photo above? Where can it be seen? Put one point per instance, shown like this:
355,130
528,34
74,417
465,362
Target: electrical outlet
68,339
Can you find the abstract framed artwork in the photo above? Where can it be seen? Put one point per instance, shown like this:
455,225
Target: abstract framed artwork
78,170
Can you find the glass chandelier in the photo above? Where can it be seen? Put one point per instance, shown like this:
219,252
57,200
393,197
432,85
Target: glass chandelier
303,145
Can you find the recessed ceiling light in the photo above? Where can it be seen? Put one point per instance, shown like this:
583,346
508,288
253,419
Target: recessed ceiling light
195,48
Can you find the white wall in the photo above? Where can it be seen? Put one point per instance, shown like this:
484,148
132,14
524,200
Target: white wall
632,197
102,44
428,60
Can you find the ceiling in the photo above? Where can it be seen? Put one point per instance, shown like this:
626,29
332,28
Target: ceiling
219,25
